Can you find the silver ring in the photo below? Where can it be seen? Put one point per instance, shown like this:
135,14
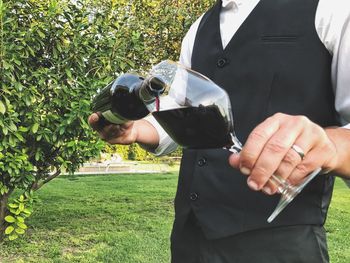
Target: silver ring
299,151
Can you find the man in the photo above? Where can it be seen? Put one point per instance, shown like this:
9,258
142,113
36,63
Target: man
285,65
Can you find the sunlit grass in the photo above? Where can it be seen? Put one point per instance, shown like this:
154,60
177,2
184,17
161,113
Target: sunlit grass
125,219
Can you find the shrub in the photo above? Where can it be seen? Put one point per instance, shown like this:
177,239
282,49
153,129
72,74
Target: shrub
54,55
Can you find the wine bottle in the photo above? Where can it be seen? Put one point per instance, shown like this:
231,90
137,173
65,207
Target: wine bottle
126,98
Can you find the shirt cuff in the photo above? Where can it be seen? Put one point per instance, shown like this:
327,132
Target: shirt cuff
347,126
166,144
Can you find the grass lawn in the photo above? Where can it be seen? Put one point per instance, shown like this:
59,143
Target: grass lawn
125,219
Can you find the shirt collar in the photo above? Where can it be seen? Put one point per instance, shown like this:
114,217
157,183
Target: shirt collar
226,3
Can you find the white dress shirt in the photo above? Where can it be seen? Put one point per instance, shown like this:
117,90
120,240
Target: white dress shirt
332,23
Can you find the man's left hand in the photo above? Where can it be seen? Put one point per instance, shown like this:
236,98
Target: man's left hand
290,147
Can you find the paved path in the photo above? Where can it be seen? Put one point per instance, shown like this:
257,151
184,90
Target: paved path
126,167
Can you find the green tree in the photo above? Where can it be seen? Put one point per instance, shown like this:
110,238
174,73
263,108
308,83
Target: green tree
54,55
48,70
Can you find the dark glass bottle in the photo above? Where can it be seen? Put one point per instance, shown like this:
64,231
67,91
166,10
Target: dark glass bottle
127,98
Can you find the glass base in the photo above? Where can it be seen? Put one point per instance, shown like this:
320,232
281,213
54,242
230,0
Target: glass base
289,192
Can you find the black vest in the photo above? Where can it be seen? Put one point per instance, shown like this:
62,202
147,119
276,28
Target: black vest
274,63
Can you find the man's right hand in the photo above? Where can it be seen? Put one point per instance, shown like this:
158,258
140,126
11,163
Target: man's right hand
113,133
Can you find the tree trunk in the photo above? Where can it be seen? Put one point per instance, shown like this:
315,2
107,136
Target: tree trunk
3,212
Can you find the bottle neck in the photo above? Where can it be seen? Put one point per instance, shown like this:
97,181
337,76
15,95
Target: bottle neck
150,89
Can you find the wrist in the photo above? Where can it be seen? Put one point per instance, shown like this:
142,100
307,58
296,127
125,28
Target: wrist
145,134
340,137
135,132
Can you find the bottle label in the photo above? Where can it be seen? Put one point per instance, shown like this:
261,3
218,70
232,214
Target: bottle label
113,117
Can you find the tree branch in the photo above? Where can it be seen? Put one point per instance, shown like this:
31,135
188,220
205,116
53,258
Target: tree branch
37,185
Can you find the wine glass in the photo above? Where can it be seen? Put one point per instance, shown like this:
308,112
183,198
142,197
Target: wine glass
196,113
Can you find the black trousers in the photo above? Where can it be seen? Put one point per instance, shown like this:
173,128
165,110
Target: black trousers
292,244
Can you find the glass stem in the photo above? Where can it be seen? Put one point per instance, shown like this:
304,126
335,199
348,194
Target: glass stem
283,187
236,146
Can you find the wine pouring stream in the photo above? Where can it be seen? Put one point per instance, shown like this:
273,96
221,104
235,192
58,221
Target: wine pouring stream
194,111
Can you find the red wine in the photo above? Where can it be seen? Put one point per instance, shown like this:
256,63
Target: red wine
196,127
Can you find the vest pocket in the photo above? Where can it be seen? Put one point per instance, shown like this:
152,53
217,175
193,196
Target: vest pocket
279,38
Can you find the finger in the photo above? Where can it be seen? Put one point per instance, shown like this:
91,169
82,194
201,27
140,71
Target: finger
97,121
234,160
321,155
110,132
289,162
303,169
93,120
291,159
274,151
256,142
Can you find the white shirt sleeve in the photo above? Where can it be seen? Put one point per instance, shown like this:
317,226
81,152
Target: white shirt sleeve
166,144
188,42
333,27
347,126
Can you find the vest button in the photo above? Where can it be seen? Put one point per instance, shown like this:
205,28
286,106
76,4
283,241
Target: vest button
222,62
193,196
201,162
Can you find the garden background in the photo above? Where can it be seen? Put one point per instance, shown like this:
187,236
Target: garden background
54,55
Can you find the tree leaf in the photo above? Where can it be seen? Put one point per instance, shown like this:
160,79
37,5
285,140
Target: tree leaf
20,231
37,156
21,206
41,34
21,225
17,212
9,230
68,72
13,127
27,211
2,107
17,62
20,219
13,205
13,237
6,65
35,127
10,219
